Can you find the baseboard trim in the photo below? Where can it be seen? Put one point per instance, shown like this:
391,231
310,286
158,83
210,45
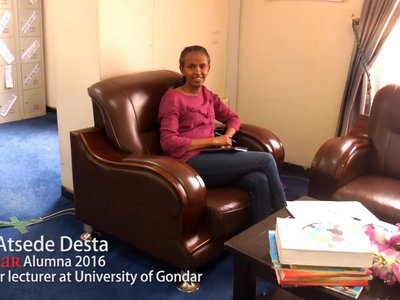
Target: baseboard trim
295,168
67,193
51,109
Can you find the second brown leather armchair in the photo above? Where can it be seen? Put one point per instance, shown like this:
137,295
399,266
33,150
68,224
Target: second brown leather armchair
124,186
365,164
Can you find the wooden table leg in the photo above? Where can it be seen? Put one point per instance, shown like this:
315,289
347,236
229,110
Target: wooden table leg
244,282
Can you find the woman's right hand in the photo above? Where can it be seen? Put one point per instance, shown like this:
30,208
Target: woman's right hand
222,141
212,142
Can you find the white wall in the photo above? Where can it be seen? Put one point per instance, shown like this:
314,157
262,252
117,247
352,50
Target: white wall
144,35
293,62
179,23
95,39
292,58
126,36
72,64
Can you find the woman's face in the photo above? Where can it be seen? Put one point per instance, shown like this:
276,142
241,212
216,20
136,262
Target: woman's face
195,69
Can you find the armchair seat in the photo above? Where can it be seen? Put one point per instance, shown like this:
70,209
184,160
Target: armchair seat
385,204
126,187
227,210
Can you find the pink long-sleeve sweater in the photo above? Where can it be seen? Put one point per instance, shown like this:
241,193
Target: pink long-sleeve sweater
183,118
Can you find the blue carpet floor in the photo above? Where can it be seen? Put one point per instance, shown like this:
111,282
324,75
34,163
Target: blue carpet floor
30,187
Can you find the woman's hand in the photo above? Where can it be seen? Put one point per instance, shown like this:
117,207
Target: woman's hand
227,137
222,141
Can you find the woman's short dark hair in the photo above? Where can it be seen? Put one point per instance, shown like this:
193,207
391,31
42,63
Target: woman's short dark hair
189,49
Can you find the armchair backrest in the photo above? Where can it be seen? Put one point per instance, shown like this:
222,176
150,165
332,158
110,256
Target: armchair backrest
126,107
384,131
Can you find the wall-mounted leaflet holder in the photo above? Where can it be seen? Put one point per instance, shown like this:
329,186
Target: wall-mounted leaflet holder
33,2
8,77
7,106
30,51
6,53
4,21
28,24
31,75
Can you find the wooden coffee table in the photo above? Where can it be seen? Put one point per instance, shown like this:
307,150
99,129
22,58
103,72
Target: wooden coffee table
251,259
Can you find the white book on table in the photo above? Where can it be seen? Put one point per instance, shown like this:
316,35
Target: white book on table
319,242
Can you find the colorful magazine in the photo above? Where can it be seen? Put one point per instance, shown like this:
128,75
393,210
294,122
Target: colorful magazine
351,291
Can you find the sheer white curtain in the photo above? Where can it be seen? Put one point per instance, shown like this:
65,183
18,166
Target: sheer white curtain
386,68
377,20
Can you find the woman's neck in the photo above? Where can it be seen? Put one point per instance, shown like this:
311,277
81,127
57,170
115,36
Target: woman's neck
190,91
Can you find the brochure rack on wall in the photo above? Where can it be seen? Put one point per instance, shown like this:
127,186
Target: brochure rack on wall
22,87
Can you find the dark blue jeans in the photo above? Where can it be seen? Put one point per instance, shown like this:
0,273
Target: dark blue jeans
255,172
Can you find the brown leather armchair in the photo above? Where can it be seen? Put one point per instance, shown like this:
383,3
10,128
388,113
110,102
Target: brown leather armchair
125,187
365,164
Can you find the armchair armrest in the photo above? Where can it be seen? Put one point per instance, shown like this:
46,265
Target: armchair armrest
257,138
337,162
110,187
186,181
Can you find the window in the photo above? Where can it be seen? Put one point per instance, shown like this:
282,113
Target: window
386,68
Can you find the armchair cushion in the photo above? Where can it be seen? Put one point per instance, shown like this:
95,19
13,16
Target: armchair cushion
228,211
385,205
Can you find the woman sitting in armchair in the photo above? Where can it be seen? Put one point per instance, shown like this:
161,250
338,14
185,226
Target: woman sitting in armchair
186,117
